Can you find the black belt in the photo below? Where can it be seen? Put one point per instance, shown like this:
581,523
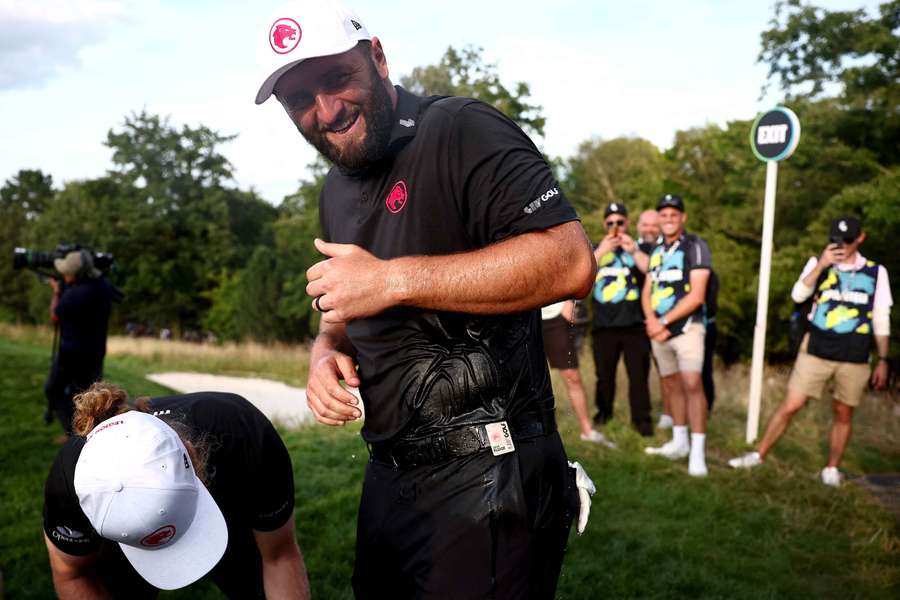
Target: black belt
462,441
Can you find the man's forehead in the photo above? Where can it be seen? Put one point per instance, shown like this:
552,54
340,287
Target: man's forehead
315,70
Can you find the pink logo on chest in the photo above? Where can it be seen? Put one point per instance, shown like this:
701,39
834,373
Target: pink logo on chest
396,200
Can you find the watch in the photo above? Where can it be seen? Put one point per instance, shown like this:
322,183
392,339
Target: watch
664,321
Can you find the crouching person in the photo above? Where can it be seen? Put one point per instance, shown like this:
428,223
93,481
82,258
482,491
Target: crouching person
157,495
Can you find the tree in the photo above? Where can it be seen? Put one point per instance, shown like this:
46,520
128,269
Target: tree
627,170
23,199
464,73
812,51
177,213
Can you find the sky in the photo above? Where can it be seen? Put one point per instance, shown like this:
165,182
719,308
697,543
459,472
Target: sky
71,70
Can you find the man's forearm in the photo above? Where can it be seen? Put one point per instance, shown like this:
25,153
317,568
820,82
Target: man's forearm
285,578
882,345
86,587
684,307
331,337
524,272
810,280
641,260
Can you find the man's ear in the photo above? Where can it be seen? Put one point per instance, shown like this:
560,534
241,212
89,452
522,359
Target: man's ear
378,58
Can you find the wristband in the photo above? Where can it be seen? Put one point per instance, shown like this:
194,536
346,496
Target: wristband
664,321
884,358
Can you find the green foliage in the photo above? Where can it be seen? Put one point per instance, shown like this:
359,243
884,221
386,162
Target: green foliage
464,73
22,201
811,50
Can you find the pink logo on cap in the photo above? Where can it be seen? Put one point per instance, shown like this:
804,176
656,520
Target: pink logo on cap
284,35
396,200
159,537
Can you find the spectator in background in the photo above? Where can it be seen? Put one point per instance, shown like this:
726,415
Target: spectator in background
559,344
619,321
673,299
81,306
648,231
851,308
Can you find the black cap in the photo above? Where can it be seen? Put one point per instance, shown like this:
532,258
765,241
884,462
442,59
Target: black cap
615,208
845,228
670,201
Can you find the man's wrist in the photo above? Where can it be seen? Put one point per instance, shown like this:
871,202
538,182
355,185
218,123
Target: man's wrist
664,321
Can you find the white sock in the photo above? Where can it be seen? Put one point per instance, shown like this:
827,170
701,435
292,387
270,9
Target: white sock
698,451
679,435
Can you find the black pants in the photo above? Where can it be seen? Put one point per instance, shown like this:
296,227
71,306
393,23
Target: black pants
709,386
67,379
609,344
481,526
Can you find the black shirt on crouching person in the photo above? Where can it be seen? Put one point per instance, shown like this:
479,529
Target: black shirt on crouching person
248,472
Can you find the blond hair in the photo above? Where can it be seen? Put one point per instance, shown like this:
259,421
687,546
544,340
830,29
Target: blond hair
104,400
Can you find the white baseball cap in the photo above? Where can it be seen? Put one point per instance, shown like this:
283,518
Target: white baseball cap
302,30
136,484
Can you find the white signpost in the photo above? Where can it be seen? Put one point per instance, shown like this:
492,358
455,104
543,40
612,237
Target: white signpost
773,137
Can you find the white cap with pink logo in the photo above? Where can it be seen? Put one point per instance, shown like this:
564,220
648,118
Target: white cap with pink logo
302,30
136,484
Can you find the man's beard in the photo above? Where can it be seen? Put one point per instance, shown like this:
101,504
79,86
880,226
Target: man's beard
378,113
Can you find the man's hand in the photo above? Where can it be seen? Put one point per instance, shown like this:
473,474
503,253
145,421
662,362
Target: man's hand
653,326
608,244
54,283
880,375
663,335
351,284
833,253
627,243
329,402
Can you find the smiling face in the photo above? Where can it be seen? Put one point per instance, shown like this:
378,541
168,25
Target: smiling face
342,104
671,222
648,226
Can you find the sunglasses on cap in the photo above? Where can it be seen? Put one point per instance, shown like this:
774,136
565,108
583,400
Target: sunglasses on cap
615,223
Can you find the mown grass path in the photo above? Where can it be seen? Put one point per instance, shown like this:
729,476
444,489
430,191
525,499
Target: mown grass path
654,532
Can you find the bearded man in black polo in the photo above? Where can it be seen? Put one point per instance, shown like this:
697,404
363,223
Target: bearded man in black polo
444,231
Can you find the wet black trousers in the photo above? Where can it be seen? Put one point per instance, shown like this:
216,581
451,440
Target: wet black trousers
474,527
609,344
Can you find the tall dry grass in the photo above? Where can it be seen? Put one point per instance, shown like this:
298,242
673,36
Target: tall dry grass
283,362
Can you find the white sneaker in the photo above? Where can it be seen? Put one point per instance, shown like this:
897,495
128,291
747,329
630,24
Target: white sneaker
747,461
665,422
698,469
831,476
597,438
669,450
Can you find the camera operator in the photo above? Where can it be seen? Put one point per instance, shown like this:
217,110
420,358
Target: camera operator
80,307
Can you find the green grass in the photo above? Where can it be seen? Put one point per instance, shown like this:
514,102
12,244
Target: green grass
654,532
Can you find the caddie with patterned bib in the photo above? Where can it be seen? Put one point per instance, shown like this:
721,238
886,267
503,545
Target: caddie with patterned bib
618,321
851,309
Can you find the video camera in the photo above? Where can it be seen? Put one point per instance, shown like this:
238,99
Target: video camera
24,258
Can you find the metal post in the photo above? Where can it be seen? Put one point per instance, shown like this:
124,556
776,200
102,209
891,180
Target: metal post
762,303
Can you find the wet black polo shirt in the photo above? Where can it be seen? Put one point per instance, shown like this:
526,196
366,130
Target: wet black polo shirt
460,176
